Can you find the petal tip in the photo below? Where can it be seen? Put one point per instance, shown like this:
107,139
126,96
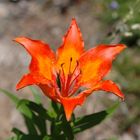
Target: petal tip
18,86
74,24
122,96
19,39
22,40
121,47
73,21
68,117
26,80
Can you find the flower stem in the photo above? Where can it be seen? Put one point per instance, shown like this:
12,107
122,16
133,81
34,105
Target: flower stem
60,127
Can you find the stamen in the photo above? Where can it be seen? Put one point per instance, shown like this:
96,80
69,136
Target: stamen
62,78
72,79
69,76
68,81
63,69
70,65
77,64
73,82
76,77
58,81
62,65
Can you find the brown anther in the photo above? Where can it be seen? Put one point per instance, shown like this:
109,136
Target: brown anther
62,64
71,59
80,72
77,62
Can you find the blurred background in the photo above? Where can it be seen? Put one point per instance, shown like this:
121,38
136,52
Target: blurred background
100,21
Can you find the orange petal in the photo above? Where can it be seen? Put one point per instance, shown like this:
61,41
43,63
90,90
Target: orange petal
30,79
97,62
42,56
72,47
106,85
26,81
110,86
69,104
49,91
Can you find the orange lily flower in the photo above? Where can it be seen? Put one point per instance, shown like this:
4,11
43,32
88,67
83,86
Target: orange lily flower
63,75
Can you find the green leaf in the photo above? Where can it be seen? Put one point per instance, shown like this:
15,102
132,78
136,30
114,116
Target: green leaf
55,106
41,124
60,127
13,138
91,120
30,126
54,109
11,95
47,138
24,110
18,134
67,129
56,127
31,137
22,106
17,131
31,112
34,114
38,108
37,96
35,137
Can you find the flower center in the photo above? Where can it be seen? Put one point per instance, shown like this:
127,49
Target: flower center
68,81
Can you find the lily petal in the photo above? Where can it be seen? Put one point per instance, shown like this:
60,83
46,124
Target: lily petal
71,48
107,85
110,86
42,57
49,91
30,79
69,104
26,81
97,62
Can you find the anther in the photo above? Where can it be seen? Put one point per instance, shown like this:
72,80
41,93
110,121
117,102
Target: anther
71,59
77,63
62,64
63,69
70,65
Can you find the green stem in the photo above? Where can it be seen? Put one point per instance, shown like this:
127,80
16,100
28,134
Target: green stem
67,129
60,127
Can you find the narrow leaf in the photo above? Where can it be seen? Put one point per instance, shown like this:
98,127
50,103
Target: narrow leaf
30,126
11,95
17,131
40,110
47,138
24,109
37,96
91,120
31,118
